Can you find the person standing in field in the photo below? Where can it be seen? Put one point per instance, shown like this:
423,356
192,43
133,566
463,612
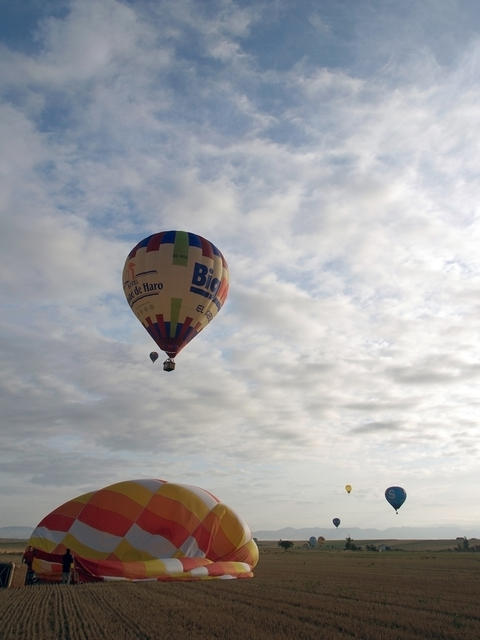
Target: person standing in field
67,560
27,559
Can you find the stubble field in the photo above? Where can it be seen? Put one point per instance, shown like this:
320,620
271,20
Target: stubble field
320,594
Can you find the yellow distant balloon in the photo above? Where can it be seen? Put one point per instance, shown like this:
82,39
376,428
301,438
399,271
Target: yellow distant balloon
348,488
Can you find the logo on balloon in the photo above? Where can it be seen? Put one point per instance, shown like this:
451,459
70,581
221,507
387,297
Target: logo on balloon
136,291
203,277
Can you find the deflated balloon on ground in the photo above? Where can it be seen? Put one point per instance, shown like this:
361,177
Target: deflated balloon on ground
144,529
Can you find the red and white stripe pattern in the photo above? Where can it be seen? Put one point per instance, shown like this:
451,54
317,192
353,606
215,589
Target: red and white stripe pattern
145,530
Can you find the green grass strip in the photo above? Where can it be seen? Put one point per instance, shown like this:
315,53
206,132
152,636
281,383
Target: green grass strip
180,249
175,304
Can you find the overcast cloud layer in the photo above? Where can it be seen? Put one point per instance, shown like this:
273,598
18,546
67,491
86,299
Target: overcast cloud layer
330,150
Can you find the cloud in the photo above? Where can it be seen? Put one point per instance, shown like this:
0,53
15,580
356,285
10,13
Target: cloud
76,47
441,368
378,427
344,201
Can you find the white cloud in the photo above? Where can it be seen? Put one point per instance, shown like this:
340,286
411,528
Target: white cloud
346,207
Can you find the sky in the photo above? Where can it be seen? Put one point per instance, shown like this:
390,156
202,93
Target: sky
330,150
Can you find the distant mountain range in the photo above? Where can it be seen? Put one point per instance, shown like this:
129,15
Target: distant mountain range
20,533
290,533
393,533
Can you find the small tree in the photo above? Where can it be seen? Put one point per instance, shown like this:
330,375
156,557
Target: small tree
350,545
463,544
285,544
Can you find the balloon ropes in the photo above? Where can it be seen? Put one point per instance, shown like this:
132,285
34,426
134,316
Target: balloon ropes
348,488
175,283
144,529
336,521
395,496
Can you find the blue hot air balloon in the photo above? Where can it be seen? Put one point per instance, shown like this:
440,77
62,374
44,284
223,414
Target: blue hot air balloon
395,496
336,521
312,541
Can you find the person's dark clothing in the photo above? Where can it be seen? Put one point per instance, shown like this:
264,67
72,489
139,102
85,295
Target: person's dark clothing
67,560
28,558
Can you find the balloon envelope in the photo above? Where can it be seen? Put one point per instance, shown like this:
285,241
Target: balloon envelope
175,283
145,529
348,488
395,496
312,541
336,521
153,356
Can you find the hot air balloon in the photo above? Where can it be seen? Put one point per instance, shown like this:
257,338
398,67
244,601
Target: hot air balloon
395,496
145,529
320,540
153,356
312,541
175,283
336,521
348,488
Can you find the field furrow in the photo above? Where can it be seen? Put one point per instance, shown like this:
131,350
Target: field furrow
297,595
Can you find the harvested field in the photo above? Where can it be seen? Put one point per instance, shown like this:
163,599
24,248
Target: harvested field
11,549
299,594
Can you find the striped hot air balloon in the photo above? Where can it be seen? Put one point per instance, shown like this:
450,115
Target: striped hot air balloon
145,530
175,283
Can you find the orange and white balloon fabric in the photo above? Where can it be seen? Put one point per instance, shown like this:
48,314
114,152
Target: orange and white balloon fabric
145,529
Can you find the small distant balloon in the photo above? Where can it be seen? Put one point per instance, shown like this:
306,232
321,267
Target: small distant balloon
154,356
395,496
312,541
348,488
336,521
320,540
